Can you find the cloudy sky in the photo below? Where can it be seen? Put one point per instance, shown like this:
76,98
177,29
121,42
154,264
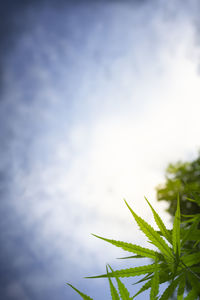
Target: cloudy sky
97,97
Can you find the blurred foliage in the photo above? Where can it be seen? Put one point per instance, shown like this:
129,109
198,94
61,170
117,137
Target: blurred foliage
182,178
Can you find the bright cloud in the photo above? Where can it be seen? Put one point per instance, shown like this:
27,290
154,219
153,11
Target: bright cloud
100,107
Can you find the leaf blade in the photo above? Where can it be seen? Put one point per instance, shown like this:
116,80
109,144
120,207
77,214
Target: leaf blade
181,287
154,237
145,252
113,290
155,284
84,296
131,272
191,295
176,230
124,293
191,259
160,224
145,287
170,289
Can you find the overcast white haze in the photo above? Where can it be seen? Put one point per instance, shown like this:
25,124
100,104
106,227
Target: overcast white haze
96,99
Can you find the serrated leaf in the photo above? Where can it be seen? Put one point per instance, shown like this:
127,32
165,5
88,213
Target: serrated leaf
132,256
194,280
191,295
194,235
146,277
181,287
154,284
129,272
170,289
191,259
113,290
145,287
153,236
145,252
176,230
164,276
124,293
161,225
187,234
85,297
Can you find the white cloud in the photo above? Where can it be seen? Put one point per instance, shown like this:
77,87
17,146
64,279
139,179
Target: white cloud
108,116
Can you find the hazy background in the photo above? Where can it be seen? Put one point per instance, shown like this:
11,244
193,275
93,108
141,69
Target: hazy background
96,98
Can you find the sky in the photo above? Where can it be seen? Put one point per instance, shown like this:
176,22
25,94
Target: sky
97,98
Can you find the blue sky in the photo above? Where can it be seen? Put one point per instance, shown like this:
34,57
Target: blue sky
96,100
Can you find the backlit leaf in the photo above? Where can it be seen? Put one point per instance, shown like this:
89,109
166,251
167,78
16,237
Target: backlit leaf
165,232
129,272
132,256
154,285
176,230
191,259
85,297
187,234
153,236
124,293
145,287
113,290
181,287
145,252
170,289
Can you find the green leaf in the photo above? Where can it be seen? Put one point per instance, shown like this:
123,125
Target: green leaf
189,216
187,234
113,291
194,235
154,284
164,275
145,287
145,252
181,287
195,269
85,297
197,242
191,295
153,236
176,230
132,256
146,277
193,200
122,289
170,289
191,259
194,281
129,272
165,232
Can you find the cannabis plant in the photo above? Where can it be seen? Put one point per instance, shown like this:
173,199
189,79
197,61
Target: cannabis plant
172,262
181,178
